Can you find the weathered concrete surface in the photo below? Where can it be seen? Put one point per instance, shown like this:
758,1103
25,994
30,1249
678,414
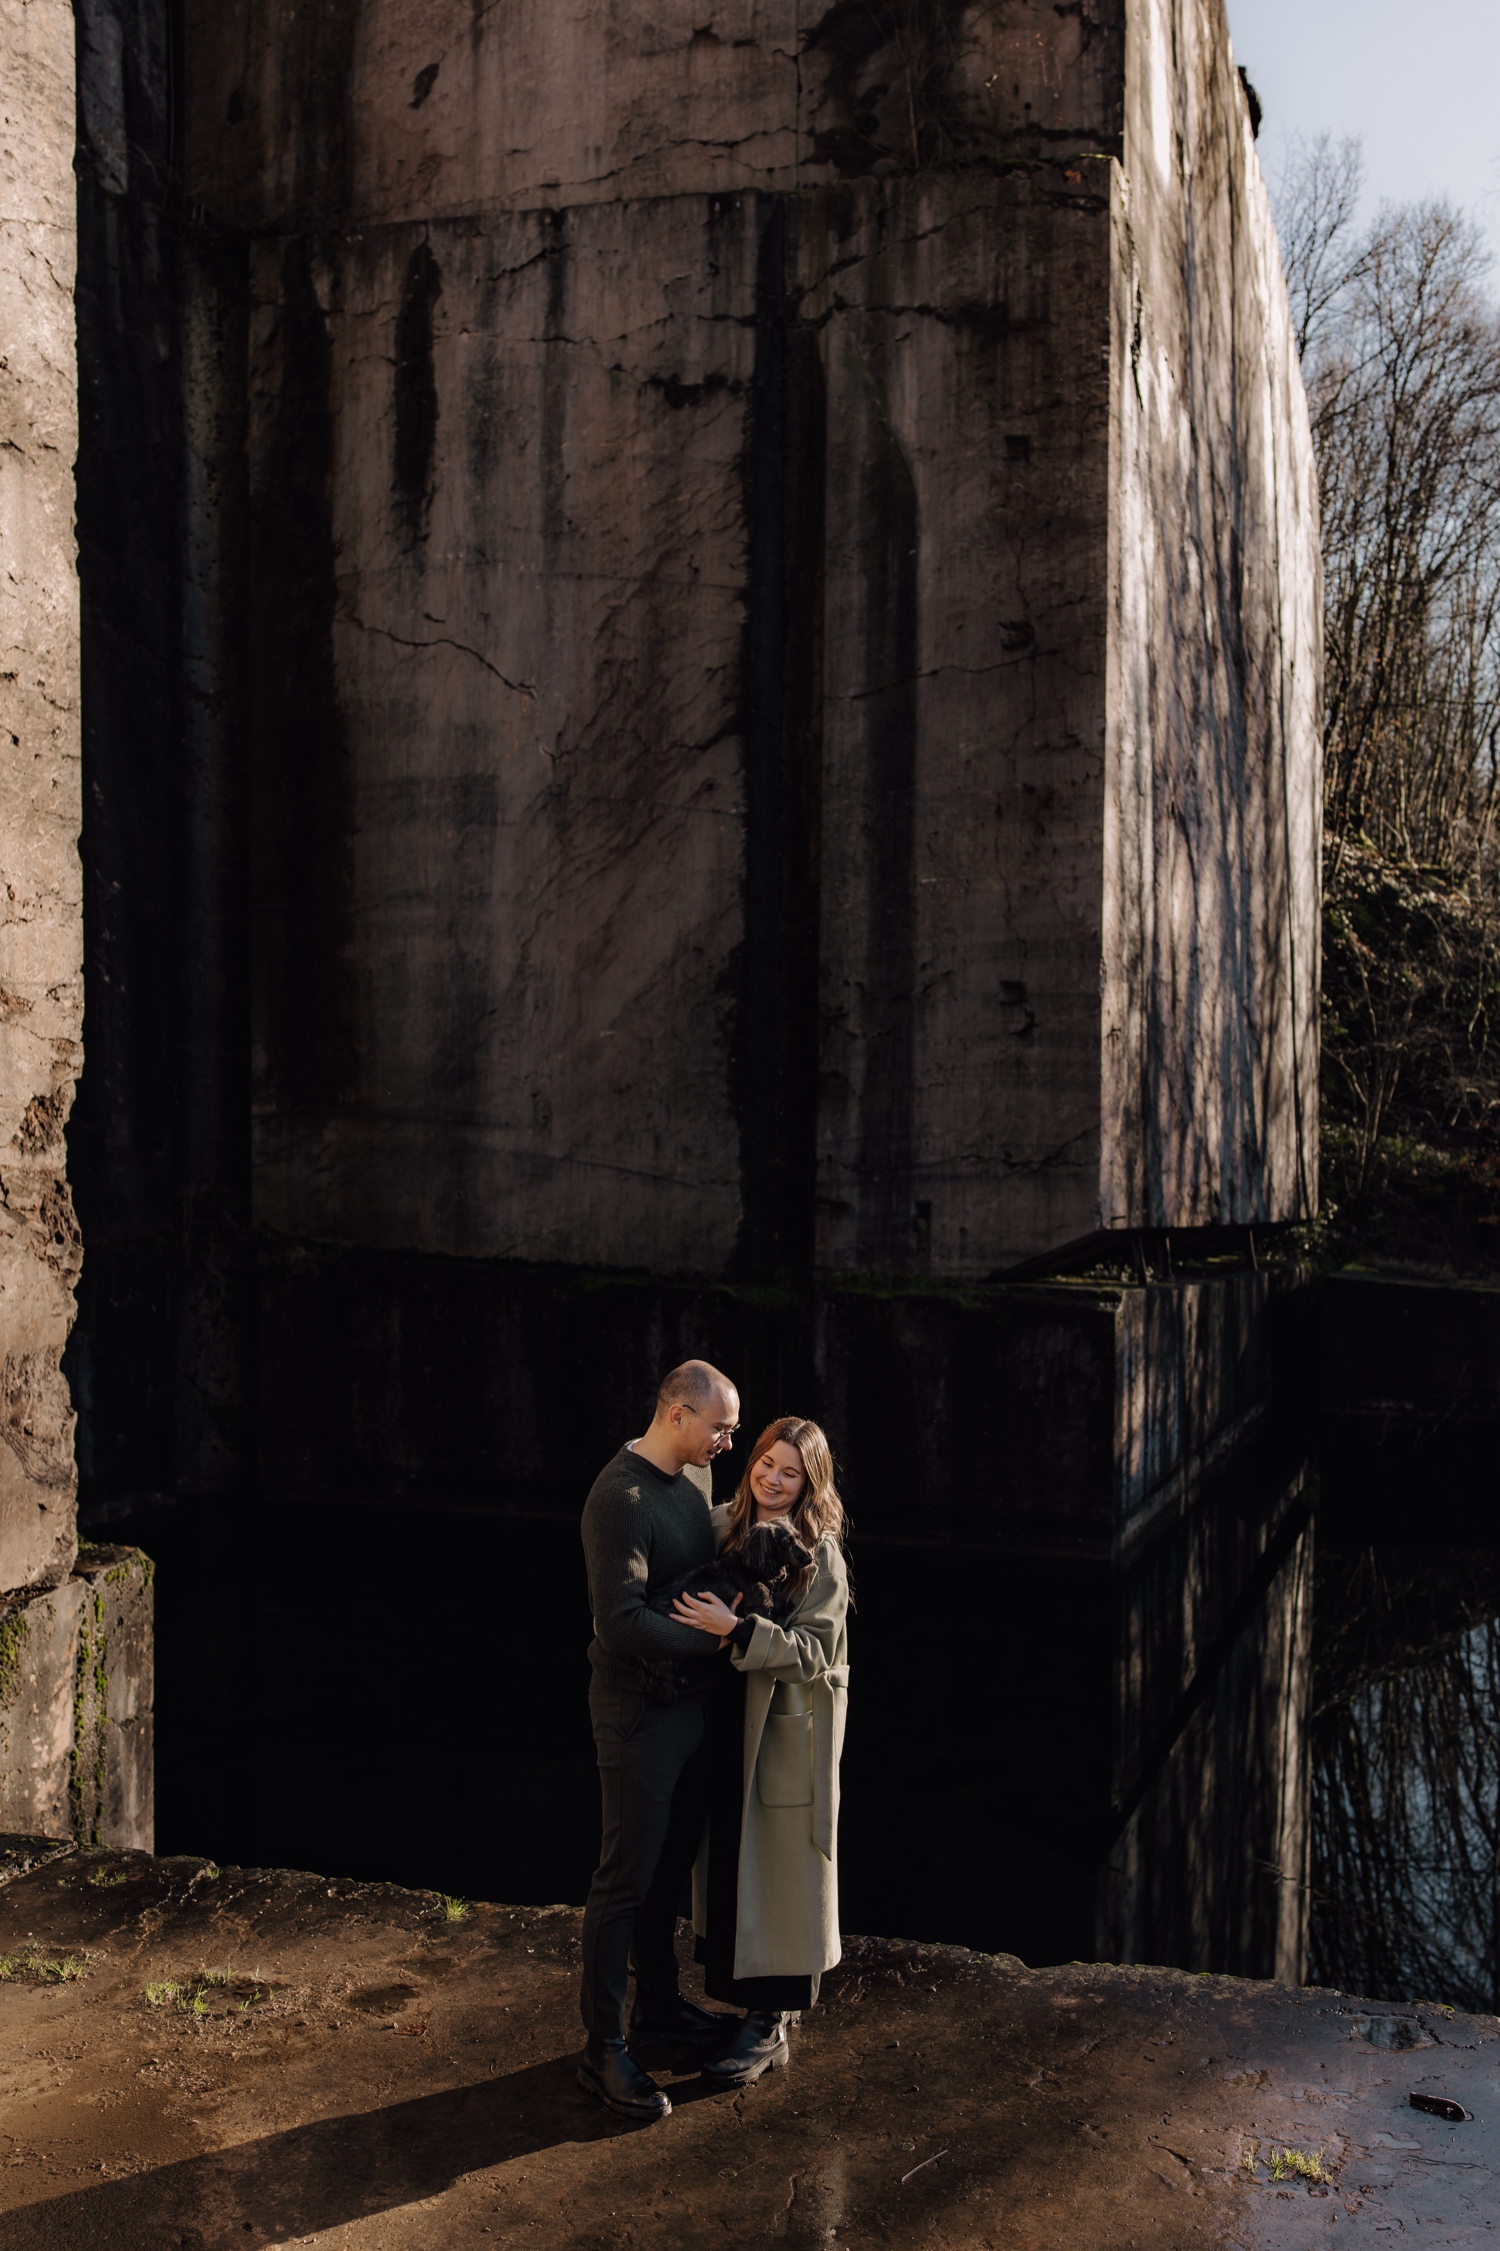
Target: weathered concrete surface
114,1716
75,1675
1213,804
498,810
41,909
372,2070
395,112
696,627
76,1705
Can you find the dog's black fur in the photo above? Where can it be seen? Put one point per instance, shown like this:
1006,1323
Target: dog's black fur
762,1572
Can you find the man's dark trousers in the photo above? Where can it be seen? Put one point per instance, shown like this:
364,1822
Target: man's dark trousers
653,1778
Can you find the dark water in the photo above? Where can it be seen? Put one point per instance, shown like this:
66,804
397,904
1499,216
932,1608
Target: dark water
385,1693
1406,1772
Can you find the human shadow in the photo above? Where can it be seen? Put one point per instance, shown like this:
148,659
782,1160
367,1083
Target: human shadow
323,2174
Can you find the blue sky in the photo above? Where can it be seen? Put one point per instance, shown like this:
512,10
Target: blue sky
1419,79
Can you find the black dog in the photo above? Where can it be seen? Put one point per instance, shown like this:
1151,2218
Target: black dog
761,1572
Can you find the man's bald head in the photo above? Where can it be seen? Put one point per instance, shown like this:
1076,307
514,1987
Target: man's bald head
697,1414
696,1384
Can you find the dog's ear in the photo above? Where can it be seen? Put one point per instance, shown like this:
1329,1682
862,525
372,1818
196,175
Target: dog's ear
758,1554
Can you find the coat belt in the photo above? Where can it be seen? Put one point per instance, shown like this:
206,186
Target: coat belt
825,1762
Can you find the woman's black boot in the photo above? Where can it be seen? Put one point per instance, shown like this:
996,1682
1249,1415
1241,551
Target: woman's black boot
609,2070
759,2045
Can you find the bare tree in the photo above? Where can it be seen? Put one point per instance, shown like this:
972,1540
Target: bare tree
1400,344
1406,1776
1317,210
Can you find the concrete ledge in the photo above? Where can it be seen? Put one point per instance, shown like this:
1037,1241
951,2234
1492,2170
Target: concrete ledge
252,2057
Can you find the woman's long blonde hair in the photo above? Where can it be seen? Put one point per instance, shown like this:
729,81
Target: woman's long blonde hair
817,1514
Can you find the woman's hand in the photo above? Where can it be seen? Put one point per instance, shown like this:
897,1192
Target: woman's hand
707,1613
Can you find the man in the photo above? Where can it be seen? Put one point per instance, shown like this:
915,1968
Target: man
645,1521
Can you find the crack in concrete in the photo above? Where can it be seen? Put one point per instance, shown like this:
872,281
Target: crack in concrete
442,641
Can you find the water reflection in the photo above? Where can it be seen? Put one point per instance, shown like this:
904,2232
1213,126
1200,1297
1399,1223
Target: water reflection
1406,1776
1046,1756
1117,1763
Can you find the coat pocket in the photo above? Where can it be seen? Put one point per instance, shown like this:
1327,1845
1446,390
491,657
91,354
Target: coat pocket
783,1769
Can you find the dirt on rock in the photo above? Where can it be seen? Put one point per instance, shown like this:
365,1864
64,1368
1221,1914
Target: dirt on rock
205,2057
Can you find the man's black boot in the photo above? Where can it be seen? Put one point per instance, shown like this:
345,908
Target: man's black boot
759,2045
609,2070
671,2020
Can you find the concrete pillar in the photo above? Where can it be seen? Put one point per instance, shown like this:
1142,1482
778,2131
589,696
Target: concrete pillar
74,1656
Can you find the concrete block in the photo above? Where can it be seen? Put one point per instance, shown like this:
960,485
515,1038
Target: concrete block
76,1705
113,1797
39,1653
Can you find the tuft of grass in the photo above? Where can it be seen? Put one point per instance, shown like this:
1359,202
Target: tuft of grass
1296,2165
192,1996
32,1967
104,1877
454,1909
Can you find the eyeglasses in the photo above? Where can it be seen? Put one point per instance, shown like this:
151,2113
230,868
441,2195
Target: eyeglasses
724,1432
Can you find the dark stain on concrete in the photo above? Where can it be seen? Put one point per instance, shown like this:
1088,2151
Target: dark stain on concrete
888,707
889,95
415,391
777,970
303,816
557,250
316,47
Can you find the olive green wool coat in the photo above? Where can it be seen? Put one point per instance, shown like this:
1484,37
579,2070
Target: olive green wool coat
795,1698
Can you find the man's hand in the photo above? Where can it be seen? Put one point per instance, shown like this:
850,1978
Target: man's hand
707,1613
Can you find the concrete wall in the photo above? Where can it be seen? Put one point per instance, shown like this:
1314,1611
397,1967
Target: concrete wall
41,995
729,678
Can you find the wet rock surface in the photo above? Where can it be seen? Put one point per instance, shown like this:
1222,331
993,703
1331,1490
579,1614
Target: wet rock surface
205,2057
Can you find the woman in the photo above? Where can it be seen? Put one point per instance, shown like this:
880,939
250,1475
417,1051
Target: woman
765,1891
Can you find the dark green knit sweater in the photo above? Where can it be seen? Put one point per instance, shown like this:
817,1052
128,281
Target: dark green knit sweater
640,1529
